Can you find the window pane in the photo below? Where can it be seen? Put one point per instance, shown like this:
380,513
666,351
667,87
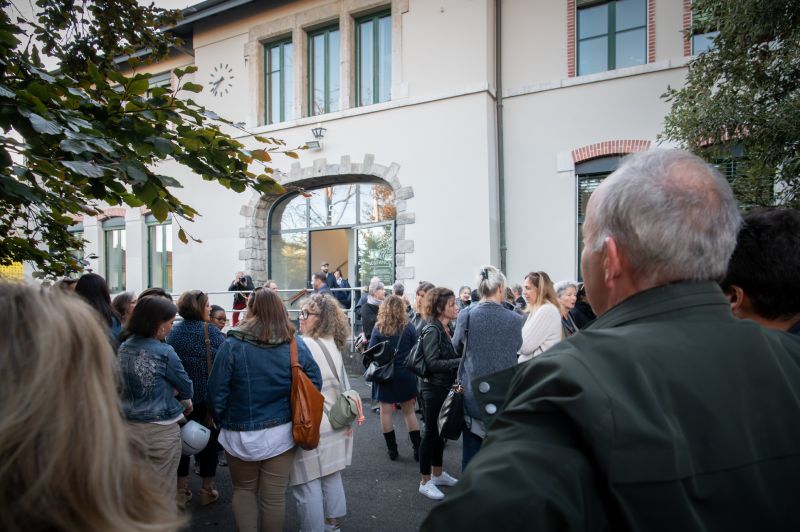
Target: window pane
385,58
288,256
156,255
376,254
317,82
333,206
631,48
631,14
593,21
115,260
593,55
290,214
333,71
288,93
365,70
376,203
703,42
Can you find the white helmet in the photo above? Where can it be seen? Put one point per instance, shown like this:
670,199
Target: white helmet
194,437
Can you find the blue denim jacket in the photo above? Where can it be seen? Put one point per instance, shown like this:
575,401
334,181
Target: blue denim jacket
151,373
250,382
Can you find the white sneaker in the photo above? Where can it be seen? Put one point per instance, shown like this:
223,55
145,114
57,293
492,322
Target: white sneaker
444,479
431,491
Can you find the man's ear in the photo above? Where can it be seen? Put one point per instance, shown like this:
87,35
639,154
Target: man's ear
612,262
736,296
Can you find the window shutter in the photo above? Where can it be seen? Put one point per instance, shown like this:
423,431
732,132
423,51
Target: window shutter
586,185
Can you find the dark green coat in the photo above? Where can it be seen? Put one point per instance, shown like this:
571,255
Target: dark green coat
666,413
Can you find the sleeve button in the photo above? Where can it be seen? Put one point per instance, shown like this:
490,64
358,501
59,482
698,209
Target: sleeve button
484,387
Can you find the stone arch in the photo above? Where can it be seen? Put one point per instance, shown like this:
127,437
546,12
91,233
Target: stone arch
254,234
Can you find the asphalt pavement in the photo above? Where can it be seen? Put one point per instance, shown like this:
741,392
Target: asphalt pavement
381,495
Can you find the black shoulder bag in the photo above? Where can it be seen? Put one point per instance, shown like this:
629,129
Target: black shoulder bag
451,415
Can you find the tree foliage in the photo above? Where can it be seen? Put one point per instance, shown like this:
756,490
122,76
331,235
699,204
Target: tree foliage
744,95
87,133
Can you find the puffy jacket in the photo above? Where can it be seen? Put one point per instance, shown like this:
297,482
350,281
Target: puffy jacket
250,381
151,373
441,358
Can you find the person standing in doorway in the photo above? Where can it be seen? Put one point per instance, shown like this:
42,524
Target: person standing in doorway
344,298
330,280
240,283
319,284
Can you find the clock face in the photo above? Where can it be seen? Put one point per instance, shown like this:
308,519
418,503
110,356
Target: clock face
221,80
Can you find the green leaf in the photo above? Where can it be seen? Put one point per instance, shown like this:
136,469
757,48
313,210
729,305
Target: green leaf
147,193
44,126
139,86
191,69
160,209
163,146
75,146
168,181
94,73
291,154
192,87
182,236
5,92
84,168
134,171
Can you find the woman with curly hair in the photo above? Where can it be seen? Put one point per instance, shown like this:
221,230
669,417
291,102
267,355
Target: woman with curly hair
70,461
393,326
316,478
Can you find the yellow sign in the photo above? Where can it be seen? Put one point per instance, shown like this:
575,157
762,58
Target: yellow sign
12,271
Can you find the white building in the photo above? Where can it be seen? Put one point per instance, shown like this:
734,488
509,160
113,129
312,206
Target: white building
435,152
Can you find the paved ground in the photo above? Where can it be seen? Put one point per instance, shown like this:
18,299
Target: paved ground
381,495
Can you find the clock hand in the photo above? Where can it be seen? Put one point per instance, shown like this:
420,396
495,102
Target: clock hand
215,85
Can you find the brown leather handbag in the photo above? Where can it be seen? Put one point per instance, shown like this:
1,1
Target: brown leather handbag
307,404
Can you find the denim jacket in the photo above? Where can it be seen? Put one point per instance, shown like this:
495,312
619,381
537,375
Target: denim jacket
151,373
250,382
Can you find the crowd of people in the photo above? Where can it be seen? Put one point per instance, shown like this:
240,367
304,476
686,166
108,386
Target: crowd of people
664,411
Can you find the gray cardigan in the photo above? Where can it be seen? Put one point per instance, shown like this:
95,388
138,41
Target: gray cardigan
495,336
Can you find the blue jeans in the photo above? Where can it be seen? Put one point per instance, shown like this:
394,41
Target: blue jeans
470,447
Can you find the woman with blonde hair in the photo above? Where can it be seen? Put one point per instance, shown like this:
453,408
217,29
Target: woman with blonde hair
248,393
67,459
393,326
542,329
316,478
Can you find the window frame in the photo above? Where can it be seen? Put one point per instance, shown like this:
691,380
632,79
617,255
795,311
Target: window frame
285,103
375,18
166,279
326,31
611,34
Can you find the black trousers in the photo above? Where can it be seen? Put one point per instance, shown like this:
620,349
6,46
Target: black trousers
207,458
431,450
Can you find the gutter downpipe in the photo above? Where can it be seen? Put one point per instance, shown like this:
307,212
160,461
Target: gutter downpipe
501,182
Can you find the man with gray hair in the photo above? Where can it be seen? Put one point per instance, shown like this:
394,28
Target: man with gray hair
666,413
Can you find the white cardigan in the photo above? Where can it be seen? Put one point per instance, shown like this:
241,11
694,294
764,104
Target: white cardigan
542,330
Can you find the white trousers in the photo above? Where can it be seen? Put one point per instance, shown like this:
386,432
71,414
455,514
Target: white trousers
320,498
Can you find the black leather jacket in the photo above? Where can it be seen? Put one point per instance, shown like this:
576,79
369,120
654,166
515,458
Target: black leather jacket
441,358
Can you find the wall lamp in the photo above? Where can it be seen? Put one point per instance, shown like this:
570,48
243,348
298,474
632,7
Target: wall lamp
319,133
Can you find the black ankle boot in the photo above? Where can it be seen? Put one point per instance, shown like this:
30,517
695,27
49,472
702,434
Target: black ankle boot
415,441
391,445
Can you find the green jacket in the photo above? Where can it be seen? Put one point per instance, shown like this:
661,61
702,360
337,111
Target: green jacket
666,413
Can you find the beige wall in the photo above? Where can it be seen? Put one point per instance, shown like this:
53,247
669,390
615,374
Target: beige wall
544,125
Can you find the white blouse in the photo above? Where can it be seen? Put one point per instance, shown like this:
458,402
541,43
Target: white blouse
542,330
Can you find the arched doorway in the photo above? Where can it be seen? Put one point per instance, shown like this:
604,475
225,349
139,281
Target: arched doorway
349,225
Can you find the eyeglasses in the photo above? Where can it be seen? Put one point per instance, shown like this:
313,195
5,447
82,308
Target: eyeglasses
304,314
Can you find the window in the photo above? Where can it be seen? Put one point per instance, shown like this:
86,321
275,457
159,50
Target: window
589,175
76,231
115,246
278,84
611,35
323,71
159,254
703,33
373,59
